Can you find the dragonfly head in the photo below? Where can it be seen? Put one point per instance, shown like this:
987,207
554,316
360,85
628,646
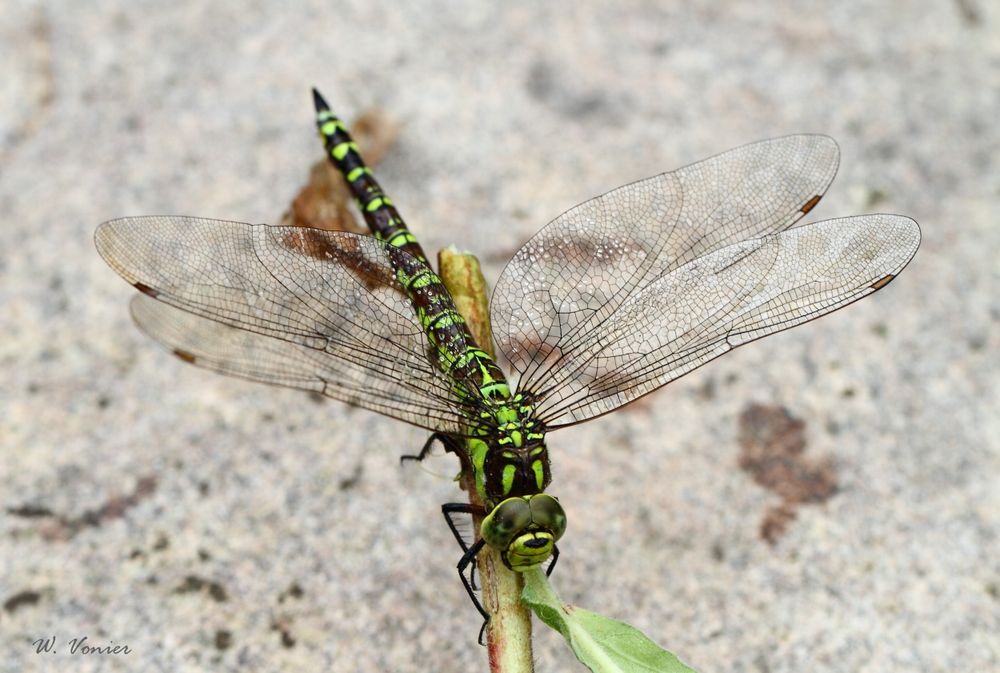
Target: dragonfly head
525,530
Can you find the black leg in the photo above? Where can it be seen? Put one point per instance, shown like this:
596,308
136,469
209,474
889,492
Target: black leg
423,451
450,445
450,508
555,557
463,563
462,508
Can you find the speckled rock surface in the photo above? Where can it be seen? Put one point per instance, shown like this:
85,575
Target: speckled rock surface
215,525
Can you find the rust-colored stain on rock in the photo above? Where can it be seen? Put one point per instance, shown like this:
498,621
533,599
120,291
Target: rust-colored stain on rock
772,451
59,528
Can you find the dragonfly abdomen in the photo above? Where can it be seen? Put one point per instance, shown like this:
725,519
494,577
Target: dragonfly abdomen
378,210
453,349
511,459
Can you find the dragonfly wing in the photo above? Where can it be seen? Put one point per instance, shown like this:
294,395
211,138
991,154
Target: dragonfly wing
248,355
291,306
721,300
560,289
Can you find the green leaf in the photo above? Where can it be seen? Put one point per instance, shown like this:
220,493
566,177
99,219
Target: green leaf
602,644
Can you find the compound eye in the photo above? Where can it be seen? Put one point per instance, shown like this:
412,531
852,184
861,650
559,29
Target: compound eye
508,519
546,512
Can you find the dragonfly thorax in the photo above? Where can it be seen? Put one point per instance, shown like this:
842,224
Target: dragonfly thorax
516,461
512,459
516,471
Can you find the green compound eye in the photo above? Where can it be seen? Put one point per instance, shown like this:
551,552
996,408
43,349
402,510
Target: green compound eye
505,521
547,513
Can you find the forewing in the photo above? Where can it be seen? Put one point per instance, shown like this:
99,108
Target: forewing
559,290
290,306
698,311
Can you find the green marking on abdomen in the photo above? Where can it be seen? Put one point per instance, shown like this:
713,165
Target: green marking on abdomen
463,360
358,172
340,151
422,279
445,318
401,238
331,127
376,203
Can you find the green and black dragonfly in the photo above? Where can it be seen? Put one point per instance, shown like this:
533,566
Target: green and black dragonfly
611,300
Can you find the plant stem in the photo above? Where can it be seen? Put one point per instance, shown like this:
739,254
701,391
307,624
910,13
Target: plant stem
508,635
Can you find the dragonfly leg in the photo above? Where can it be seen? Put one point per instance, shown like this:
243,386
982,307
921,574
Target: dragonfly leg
552,566
449,445
464,563
450,508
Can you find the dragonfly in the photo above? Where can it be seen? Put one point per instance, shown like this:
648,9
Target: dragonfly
611,300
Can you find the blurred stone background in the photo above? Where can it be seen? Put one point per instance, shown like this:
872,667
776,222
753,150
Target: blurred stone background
216,525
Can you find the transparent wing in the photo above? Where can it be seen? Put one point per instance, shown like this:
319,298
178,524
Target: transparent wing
559,291
695,312
291,306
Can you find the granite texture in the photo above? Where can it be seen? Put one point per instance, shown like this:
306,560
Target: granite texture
214,525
